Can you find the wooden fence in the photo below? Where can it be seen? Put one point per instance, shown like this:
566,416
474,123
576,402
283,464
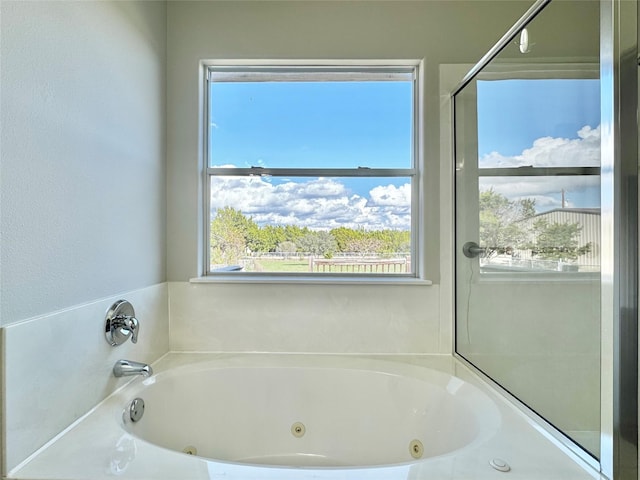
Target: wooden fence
360,265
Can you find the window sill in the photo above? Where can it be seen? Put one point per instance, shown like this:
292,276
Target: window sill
310,280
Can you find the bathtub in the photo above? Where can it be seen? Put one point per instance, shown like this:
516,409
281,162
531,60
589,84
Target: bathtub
302,417
312,416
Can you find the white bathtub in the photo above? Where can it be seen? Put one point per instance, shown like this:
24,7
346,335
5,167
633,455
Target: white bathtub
312,416
361,417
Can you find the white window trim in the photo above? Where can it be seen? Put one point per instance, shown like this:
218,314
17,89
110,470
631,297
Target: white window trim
394,68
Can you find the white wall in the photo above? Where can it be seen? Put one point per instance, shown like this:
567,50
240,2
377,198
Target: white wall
83,174
83,193
307,318
398,319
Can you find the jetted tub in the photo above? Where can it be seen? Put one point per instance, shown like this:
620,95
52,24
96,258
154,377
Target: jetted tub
311,416
303,417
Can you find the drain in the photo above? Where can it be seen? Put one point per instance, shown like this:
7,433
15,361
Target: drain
298,429
190,450
136,409
416,449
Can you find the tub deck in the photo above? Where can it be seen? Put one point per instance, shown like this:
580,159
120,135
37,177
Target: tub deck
97,447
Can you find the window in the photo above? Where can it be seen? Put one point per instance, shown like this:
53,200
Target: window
311,171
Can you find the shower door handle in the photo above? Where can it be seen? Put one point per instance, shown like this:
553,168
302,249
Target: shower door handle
472,250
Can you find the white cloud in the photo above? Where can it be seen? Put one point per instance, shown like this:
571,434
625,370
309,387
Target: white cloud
546,191
553,152
325,203
526,187
321,203
391,195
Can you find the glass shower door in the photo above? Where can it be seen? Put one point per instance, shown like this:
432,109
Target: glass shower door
528,220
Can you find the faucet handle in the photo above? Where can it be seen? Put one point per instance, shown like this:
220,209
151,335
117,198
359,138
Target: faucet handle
121,323
134,328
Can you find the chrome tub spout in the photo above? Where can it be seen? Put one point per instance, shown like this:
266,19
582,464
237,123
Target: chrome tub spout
126,368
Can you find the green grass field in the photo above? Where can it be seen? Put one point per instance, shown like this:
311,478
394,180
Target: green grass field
267,265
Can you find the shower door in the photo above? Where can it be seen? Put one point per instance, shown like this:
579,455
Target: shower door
528,240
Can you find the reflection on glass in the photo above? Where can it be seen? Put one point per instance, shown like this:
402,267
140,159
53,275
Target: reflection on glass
539,224
539,122
300,225
527,135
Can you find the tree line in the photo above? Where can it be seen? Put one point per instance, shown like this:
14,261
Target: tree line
233,235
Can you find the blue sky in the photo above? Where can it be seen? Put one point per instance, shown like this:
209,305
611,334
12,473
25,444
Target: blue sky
512,114
312,124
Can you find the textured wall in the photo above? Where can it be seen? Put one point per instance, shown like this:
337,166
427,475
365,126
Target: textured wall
83,162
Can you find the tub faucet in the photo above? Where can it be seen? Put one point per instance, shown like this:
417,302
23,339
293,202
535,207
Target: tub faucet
126,368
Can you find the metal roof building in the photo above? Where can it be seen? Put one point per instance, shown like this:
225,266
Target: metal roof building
589,221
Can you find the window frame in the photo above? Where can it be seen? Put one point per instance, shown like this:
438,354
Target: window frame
330,71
